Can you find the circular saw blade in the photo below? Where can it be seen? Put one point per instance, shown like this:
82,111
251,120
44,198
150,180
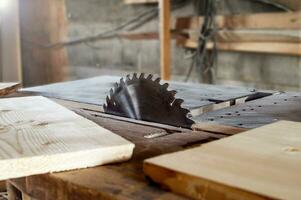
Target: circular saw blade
143,98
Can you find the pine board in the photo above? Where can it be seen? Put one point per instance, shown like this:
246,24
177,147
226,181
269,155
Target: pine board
39,136
262,163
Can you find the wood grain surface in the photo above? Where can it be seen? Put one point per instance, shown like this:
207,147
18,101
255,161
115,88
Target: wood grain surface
119,181
262,163
39,136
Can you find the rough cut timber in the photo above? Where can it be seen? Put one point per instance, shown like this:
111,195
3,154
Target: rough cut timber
39,136
263,163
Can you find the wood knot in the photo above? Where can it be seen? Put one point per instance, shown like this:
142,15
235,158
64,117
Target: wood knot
42,124
292,149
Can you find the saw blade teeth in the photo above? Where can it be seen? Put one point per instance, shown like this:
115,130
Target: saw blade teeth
185,111
141,76
135,77
128,78
149,77
165,85
157,80
147,86
116,86
173,92
111,92
177,102
122,83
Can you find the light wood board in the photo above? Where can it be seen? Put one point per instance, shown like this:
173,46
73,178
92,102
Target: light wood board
263,163
8,88
285,48
39,136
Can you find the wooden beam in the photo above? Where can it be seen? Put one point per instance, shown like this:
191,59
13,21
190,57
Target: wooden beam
10,58
293,49
43,23
164,7
241,35
253,35
281,20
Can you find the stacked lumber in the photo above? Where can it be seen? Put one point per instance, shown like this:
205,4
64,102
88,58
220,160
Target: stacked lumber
277,33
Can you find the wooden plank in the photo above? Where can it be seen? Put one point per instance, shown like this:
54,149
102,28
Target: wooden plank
293,49
252,35
48,24
8,88
281,20
118,181
39,136
164,10
10,58
240,35
263,163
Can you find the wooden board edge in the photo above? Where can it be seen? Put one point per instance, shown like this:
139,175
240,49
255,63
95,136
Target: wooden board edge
2,186
291,49
217,128
195,188
10,90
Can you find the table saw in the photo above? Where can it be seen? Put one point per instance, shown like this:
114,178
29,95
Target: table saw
211,112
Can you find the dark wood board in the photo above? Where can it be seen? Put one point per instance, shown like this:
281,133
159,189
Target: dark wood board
117,181
94,91
253,114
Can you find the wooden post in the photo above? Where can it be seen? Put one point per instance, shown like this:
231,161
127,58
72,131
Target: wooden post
10,58
164,7
43,23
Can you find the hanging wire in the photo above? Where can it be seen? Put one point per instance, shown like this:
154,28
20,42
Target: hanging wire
203,58
130,25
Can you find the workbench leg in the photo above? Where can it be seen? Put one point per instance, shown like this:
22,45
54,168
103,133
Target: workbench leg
13,192
164,7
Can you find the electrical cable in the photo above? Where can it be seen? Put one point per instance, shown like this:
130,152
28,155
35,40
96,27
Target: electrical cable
131,24
204,59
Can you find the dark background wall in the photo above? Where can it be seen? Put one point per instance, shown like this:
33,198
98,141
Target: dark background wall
120,56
